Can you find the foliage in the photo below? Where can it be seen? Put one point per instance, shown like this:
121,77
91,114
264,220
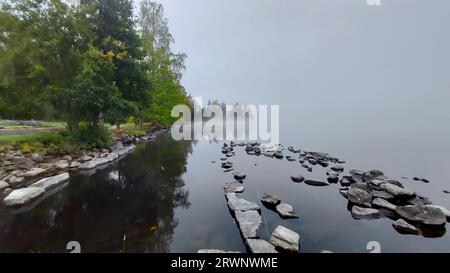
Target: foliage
89,136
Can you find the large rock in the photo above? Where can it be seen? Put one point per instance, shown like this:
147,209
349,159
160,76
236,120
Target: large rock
260,246
404,227
234,187
359,196
240,204
444,210
24,196
3,185
51,182
286,211
285,239
422,214
249,222
396,190
93,163
34,172
316,183
125,150
381,203
365,213
270,199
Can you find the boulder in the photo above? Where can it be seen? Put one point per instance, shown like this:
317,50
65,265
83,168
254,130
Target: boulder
286,211
359,196
426,215
444,210
382,194
233,187
396,191
51,182
24,196
285,239
270,199
240,204
381,203
260,246
34,172
249,222
365,213
405,228
316,183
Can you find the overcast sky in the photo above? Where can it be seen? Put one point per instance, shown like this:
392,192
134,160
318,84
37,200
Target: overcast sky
325,59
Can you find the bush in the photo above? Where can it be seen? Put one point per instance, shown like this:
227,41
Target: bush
89,137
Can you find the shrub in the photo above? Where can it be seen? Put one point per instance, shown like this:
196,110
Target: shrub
89,137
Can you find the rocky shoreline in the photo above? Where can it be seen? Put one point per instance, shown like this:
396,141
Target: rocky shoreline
26,179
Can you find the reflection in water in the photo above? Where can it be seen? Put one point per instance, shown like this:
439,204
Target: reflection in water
128,206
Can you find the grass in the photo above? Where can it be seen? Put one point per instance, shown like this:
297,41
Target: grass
41,142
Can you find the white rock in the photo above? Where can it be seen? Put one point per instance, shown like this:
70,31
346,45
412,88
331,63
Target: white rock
75,164
285,238
3,185
260,246
215,251
51,182
240,204
286,210
23,196
34,172
249,222
396,190
234,187
61,164
444,210
404,227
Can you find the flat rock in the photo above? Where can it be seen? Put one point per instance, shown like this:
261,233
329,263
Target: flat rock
381,203
52,181
396,191
249,222
61,164
359,196
405,228
230,195
316,183
260,246
240,204
382,194
24,196
297,178
234,187
34,172
286,211
365,213
270,199
285,239
422,214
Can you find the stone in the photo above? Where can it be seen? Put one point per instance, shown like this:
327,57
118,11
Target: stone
286,211
405,228
422,214
419,200
34,172
51,182
316,183
396,191
421,179
381,203
239,176
270,199
326,252
333,176
359,196
260,246
373,173
37,157
13,180
215,251
74,164
345,182
344,192
363,186
24,196
297,178
240,204
61,164
93,163
233,187
249,222
24,163
85,158
337,168
365,213
230,195
382,194
285,239
444,210
3,185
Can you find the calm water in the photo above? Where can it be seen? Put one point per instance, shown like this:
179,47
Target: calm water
168,196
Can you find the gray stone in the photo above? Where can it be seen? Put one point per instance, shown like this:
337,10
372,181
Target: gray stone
24,196
51,182
34,172
286,211
270,199
234,187
61,164
365,213
359,196
382,194
239,176
3,185
249,222
297,178
215,251
285,239
230,195
381,203
405,228
344,192
316,183
260,246
74,164
423,214
396,190
85,158
444,210
240,204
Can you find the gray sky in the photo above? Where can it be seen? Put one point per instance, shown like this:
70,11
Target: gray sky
330,60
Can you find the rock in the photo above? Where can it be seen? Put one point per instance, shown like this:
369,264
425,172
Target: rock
297,178
333,176
24,163
228,170
422,214
230,195
286,211
446,191
74,164
344,192
316,183
359,196
215,251
37,157
326,252
381,203
249,222
122,151
405,228
309,169
61,164
98,161
345,182
51,182
260,246
419,200
444,210
240,204
34,172
270,199
356,172
365,213
239,176
13,180
421,179
363,186
289,158
85,158
3,185
24,196
233,187
337,168
396,191
278,155
285,239
382,194
373,173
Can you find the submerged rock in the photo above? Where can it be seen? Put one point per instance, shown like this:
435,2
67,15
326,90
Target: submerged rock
260,246
405,228
233,187
316,183
359,196
285,239
270,199
286,211
422,214
24,196
297,178
239,176
365,213
249,222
